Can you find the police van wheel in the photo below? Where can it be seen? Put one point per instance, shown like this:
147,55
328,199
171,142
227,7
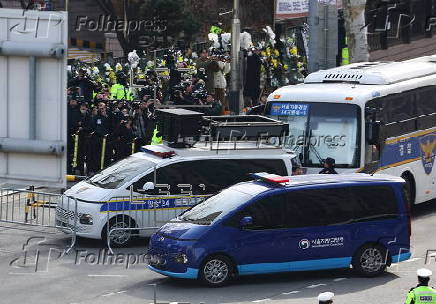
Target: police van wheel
370,260
119,238
216,271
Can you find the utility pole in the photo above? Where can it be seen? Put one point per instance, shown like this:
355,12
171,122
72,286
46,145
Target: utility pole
235,84
323,34
313,64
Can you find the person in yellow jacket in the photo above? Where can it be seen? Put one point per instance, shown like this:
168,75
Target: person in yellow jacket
119,92
156,140
422,293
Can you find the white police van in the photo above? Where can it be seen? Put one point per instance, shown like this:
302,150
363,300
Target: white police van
149,188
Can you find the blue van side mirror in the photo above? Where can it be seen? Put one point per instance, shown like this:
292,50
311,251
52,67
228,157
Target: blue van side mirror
246,221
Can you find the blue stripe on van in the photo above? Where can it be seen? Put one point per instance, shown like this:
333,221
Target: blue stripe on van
294,266
190,273
153,203
401,257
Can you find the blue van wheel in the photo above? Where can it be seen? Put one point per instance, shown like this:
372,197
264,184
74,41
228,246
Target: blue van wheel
216,271
370,260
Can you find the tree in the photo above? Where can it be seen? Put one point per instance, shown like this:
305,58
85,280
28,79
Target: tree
354,14
170,11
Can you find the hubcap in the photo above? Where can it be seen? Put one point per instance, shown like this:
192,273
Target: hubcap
120,236
371,260
216,271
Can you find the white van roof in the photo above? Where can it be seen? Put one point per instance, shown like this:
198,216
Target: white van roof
226,149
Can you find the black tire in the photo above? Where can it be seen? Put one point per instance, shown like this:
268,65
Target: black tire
409,190
370,260
216,271
120,238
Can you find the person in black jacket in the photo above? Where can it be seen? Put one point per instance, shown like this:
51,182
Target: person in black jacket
259,109
83,130
73,117
329,166
101,126
215,108
85,84
125,138
252,77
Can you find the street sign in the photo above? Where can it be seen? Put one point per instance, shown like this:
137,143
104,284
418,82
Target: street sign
33,107
290,9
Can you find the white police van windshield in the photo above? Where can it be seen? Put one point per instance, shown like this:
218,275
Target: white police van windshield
120,172
321,130
215,207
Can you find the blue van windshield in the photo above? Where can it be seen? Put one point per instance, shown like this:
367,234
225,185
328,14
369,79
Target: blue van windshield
215,207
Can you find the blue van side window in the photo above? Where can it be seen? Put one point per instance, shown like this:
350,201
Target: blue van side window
374,203
320,207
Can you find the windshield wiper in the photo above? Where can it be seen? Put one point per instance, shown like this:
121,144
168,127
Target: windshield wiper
315,151
316,154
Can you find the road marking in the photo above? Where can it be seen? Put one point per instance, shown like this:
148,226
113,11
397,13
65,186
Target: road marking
263,300
122,291
108,294
107,275
339,279
291,292
316,285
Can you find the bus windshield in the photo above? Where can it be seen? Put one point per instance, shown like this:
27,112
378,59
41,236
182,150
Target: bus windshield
320,130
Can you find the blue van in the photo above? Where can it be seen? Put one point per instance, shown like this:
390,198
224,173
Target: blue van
280,224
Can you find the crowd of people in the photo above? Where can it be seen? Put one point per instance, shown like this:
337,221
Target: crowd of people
109,120
111,108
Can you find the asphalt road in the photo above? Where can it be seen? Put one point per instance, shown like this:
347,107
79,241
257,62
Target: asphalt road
80,278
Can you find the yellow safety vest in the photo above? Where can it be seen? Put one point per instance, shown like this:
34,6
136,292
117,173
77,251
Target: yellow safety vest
156,140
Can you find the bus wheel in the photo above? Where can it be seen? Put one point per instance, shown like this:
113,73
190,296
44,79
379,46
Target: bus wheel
122,236
409,189
370,260
216,271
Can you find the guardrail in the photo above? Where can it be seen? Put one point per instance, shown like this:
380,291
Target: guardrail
123,217
32,210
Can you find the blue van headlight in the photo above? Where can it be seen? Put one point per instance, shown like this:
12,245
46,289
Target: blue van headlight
181,258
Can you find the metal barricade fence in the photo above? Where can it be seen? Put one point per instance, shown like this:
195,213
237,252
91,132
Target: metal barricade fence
42,212
127,217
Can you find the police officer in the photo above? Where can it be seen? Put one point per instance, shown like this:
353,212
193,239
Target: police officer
422,293
329,166
326,298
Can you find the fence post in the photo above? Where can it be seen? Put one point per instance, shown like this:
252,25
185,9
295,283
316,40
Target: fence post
103,152
76,151
134,145
29,201
76,217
